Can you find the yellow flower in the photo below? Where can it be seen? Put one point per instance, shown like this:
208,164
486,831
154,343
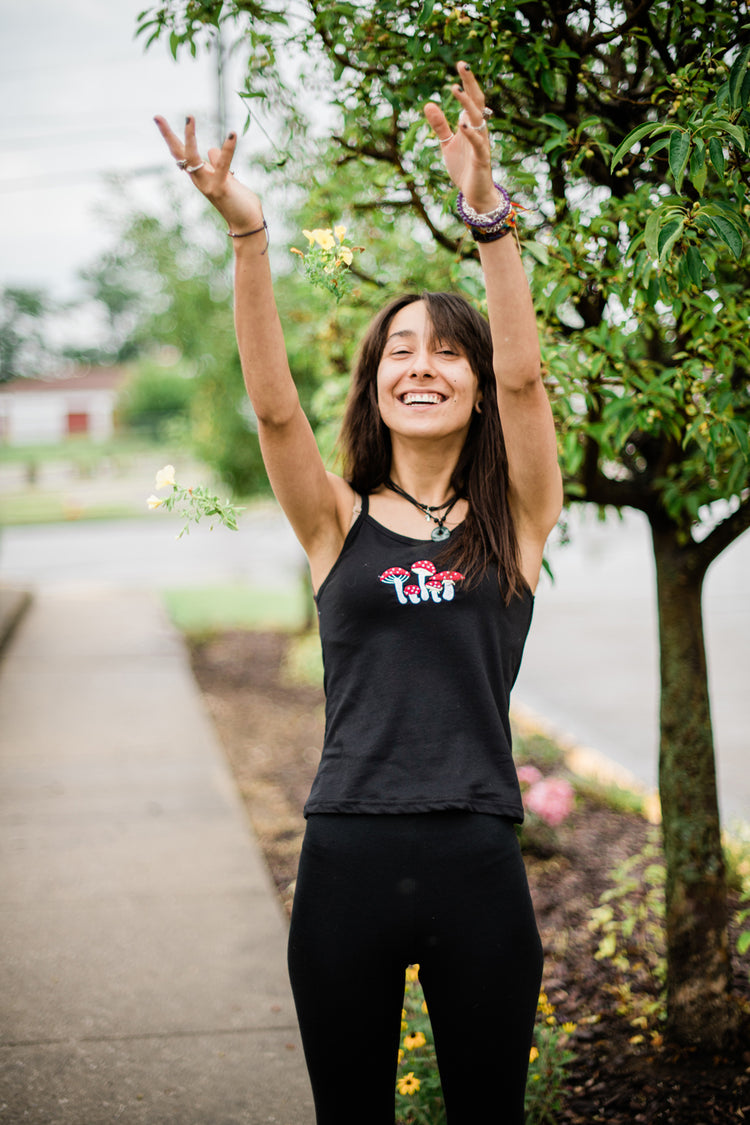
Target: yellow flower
165,477
323,238
154,502
339,232
400,1055
408,1085
569,1027
424,1007
404,1024
533,1054
412,974
414,1040
345,256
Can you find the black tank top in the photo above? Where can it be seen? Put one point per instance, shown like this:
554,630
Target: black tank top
418,673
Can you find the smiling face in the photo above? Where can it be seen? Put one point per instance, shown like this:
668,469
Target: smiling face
425,385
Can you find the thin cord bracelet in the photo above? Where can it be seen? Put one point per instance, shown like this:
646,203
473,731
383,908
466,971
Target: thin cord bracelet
247,233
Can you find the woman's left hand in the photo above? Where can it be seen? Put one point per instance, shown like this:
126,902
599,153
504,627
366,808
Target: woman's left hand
466,152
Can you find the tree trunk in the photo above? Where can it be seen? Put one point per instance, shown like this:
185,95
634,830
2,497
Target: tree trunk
699,1006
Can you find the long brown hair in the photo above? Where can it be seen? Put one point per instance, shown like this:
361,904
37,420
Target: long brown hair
481,475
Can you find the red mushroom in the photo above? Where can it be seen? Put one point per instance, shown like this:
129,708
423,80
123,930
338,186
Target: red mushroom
434,585
413,594
449,579
396,576
423,569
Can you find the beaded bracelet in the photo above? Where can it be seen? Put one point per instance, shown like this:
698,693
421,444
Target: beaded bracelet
488,220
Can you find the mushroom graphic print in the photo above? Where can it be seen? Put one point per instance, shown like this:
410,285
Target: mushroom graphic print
396,576
432,588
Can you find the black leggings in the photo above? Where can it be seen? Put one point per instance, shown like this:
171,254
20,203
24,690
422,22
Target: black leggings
448,891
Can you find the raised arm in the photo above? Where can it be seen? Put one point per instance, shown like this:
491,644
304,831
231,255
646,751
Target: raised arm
316,503
528,428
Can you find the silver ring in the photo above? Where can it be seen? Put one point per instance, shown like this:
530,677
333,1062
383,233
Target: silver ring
181,164
196,167
486,113
464,120
449,138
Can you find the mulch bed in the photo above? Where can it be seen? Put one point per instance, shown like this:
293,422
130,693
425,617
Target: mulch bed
271,730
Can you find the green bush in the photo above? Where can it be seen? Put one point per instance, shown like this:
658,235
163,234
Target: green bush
155,399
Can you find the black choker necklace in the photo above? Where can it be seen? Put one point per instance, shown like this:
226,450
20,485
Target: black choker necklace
439,532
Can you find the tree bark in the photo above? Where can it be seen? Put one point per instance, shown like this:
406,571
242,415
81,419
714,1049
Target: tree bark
699,1006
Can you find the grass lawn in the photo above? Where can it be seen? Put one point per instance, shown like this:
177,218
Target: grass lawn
200,611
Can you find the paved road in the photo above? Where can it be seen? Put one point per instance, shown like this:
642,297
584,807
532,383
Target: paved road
591,664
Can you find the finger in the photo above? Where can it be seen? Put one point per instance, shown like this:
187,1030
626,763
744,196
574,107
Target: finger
470,107
470,84
221,158
174,143
437,121
191,142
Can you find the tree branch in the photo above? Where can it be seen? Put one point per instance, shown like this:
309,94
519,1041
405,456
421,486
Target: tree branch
722,535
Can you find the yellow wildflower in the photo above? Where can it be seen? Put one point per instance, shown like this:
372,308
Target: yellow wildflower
408,1085
533,1054
323,238
412,974
414,1040
339,232
344,256
154,502
424,1007
404,1023
400,1055
165,477
569,1027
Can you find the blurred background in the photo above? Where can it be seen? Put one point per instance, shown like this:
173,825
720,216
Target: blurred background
117,357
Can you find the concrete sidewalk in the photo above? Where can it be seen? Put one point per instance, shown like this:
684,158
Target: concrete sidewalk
142,973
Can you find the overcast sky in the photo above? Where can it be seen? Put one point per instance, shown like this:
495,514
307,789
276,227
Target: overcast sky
78,95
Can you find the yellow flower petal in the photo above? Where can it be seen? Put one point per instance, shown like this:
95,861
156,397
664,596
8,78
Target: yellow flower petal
533,1054
165,477
310,235
345,255
154,502
416,1039
339,232
408,1084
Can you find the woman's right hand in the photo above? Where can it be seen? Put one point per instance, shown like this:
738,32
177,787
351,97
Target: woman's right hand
240,207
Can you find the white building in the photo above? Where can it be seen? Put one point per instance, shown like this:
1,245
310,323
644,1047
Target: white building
47,411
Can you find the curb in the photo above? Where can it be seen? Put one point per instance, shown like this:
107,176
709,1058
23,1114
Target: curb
14,603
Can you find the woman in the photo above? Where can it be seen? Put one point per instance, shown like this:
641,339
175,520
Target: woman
424,557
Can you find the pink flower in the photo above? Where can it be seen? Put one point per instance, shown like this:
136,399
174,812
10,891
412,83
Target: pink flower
551,799
528,775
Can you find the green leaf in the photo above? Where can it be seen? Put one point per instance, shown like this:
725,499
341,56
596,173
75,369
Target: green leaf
741,433
651,233
679,151
716,152
637,134
426,12
537,250
695,265
555,121
727,233
743,943
737,77
668,235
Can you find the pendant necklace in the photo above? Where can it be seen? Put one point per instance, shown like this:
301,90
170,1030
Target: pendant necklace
439,532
